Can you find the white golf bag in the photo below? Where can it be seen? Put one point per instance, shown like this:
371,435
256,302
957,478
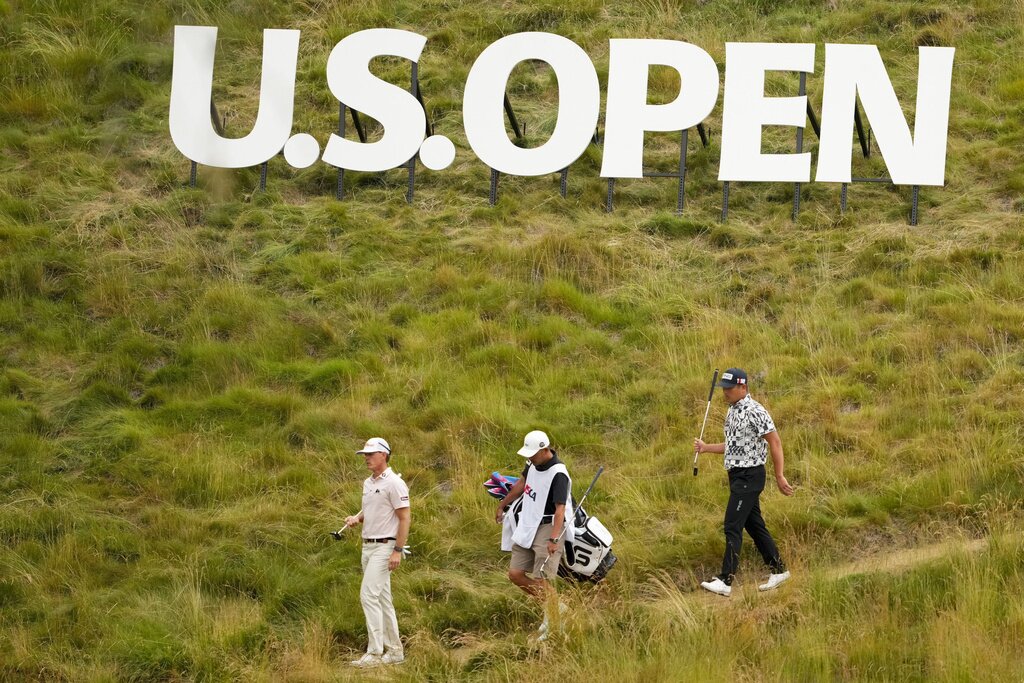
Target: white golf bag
588,552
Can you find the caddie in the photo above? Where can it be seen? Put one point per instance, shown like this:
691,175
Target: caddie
538,541
749,434
385,518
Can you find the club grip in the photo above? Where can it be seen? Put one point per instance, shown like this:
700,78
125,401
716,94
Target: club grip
714,380
695,471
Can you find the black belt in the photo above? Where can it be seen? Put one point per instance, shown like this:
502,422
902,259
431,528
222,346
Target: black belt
547,519
378,540
744,470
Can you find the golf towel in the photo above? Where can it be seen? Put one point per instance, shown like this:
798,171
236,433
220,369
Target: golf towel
508,528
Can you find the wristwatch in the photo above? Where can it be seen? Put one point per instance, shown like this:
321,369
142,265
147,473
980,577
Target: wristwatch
396,549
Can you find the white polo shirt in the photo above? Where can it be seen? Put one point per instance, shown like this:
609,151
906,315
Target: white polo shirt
381,497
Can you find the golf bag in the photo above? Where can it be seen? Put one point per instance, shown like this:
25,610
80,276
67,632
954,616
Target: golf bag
588,554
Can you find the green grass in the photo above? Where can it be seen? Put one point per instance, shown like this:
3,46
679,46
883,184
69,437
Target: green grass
184,374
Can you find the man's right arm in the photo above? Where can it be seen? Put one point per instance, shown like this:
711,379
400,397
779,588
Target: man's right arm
513,496
708,447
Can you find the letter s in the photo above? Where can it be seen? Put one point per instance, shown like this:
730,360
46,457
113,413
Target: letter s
350,80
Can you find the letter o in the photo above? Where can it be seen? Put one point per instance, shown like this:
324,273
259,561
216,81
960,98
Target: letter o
579,102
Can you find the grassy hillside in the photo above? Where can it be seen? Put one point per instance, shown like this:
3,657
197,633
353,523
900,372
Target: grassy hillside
184,374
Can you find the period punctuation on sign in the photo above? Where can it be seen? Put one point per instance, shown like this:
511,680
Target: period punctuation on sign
301,150
437,152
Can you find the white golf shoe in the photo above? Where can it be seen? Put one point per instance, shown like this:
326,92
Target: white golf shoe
542,636
716,585
544,630
368,660
392,657
773,581
544,626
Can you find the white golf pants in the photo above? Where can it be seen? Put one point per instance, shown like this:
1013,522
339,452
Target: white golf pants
375,596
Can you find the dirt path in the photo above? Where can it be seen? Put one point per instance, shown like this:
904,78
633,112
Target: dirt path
890,562
908,558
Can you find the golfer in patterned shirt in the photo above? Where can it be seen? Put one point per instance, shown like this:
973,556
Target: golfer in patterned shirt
749,433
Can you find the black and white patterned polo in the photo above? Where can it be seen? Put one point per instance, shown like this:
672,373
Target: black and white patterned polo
746,423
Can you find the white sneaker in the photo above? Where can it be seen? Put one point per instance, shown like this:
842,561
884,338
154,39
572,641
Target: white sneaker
368,660
716,585
562,609
547,632
392,657
773,581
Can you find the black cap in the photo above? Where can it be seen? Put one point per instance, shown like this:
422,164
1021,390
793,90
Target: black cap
733,377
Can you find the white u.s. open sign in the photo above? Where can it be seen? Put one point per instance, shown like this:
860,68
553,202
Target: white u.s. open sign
850,72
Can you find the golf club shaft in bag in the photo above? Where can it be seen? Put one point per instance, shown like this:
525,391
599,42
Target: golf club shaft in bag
711,394
564,520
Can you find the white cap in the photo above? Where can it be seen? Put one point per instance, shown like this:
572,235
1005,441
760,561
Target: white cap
534,442
375,445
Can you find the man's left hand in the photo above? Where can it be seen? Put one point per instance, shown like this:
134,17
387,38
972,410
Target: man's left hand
784,486
394,560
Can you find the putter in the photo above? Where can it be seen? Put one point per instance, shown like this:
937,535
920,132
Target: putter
711,394
337,535
578,506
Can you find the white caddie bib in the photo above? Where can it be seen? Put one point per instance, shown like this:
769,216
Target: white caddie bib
534,497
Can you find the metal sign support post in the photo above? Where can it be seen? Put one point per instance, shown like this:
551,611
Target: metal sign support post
510,114
864,137
339,191
219,124
680,175
414,88
815,126
410,165
681,190
493,197
520,132
799,148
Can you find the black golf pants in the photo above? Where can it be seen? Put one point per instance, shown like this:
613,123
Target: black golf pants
744,512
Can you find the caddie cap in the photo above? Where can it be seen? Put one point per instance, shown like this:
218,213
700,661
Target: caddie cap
375,445
733,377
534,442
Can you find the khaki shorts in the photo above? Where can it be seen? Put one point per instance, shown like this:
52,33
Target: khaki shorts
531,560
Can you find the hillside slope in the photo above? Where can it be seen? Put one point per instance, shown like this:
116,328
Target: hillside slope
185,373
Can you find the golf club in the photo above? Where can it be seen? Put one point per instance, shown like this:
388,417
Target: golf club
578,506
711,394
336,535
339,534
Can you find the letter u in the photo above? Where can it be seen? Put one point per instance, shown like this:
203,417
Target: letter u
192,87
